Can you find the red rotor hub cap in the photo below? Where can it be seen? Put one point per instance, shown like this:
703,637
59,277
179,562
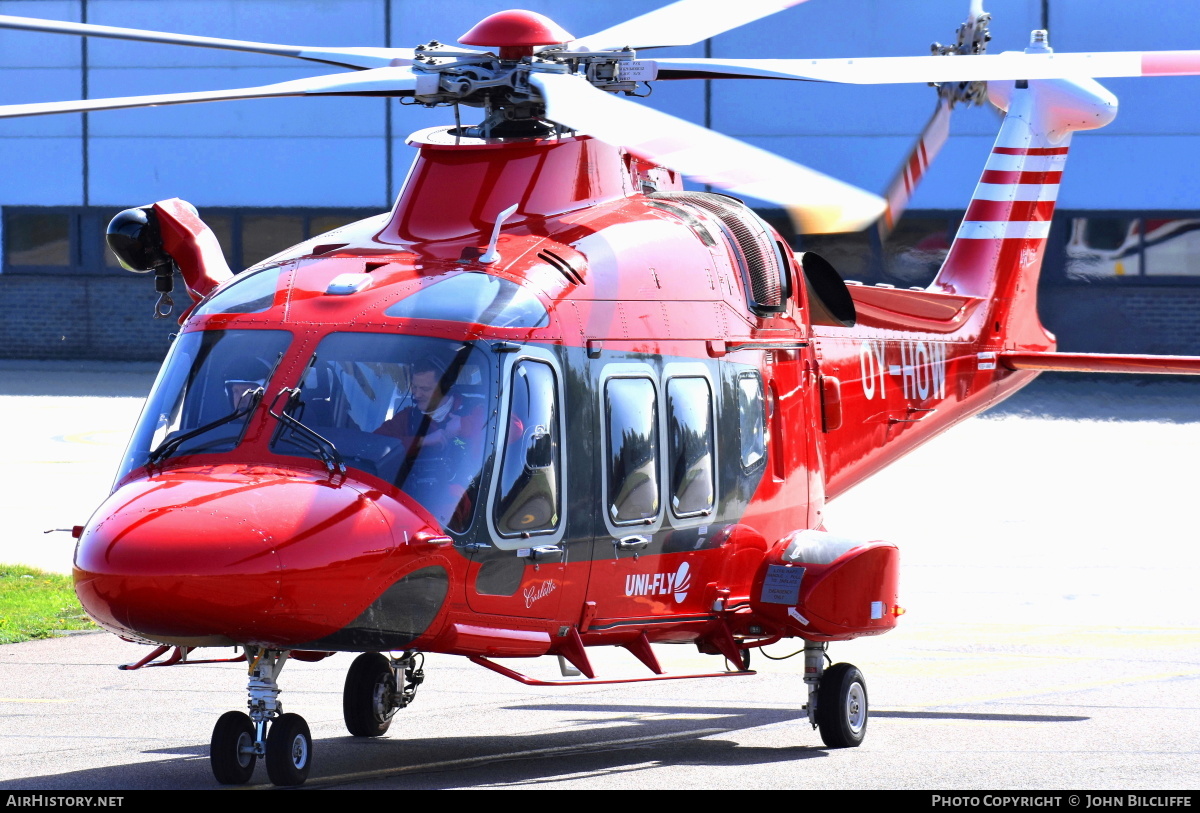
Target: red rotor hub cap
516,32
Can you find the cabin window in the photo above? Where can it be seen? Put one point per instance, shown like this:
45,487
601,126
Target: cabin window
751,420
528,500
632,450
475,298
690,446
409,410
205,394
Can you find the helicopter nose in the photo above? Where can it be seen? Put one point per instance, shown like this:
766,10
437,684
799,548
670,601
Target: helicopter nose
202,557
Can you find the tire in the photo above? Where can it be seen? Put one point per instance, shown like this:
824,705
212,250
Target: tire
367,699
842,706
289,750
229,752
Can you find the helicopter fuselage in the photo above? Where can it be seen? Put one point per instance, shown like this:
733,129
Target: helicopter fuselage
653,493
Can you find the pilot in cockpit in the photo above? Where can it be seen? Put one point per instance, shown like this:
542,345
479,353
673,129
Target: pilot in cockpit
431,421
441,433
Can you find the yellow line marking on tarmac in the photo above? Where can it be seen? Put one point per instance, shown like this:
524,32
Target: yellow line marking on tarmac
383,773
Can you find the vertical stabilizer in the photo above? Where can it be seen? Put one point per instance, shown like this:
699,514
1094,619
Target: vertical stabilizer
998,250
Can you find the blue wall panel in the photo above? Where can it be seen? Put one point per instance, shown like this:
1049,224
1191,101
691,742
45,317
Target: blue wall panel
303,152
46,171
293,172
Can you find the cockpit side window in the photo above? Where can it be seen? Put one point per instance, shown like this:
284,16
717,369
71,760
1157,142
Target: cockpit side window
631,464
528,498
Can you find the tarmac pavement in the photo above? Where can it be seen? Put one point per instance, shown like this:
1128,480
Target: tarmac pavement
1052,640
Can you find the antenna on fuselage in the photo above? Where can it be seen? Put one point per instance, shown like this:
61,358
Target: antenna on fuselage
491,255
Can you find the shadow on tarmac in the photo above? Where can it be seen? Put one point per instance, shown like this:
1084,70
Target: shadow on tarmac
626,743
1073,396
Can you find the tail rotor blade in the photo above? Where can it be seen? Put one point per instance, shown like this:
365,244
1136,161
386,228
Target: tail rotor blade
816,202
905,182
359,58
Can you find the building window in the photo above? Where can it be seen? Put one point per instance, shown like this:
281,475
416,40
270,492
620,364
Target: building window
39,239
1116,248
909,258
64,240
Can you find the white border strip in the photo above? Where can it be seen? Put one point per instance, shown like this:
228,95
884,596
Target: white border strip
1000,162
1016,191
1004,230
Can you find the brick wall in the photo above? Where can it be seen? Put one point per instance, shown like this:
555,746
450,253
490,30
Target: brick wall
1130,319
69,317
110,318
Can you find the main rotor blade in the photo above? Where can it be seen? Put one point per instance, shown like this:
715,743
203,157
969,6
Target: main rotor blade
923,69
374,82
818,204
360,58
682,23
909,176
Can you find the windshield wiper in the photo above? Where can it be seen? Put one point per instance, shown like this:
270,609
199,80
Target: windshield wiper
322,447
172,442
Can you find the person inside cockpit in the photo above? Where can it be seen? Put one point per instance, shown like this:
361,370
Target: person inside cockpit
440,432
430,421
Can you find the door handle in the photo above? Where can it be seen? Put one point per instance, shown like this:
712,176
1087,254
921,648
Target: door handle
635,542
542,553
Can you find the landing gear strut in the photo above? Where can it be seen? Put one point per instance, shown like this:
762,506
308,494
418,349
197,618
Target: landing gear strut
239,740
837,698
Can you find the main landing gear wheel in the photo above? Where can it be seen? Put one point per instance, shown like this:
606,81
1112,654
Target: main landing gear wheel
289,750
231,751
842,706
369,697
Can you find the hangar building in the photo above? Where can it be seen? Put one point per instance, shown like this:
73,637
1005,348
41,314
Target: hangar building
1123,267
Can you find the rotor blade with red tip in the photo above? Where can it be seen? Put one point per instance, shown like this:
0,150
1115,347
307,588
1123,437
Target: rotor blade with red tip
816,202
683,23
923,69
373,82
360,58
901,189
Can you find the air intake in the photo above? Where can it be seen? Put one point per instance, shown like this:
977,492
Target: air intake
764,270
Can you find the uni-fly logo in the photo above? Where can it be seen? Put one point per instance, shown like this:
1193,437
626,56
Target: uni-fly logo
660,584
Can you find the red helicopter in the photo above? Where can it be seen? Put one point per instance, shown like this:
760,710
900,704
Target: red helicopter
553,400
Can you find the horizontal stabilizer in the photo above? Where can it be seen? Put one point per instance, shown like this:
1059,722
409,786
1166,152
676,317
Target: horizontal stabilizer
1102,363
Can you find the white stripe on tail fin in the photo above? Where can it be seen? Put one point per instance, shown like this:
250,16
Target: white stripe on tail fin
997,253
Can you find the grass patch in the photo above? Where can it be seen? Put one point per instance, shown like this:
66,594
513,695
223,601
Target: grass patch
36,604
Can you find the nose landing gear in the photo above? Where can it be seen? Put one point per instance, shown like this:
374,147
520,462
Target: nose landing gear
837,699
239,739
